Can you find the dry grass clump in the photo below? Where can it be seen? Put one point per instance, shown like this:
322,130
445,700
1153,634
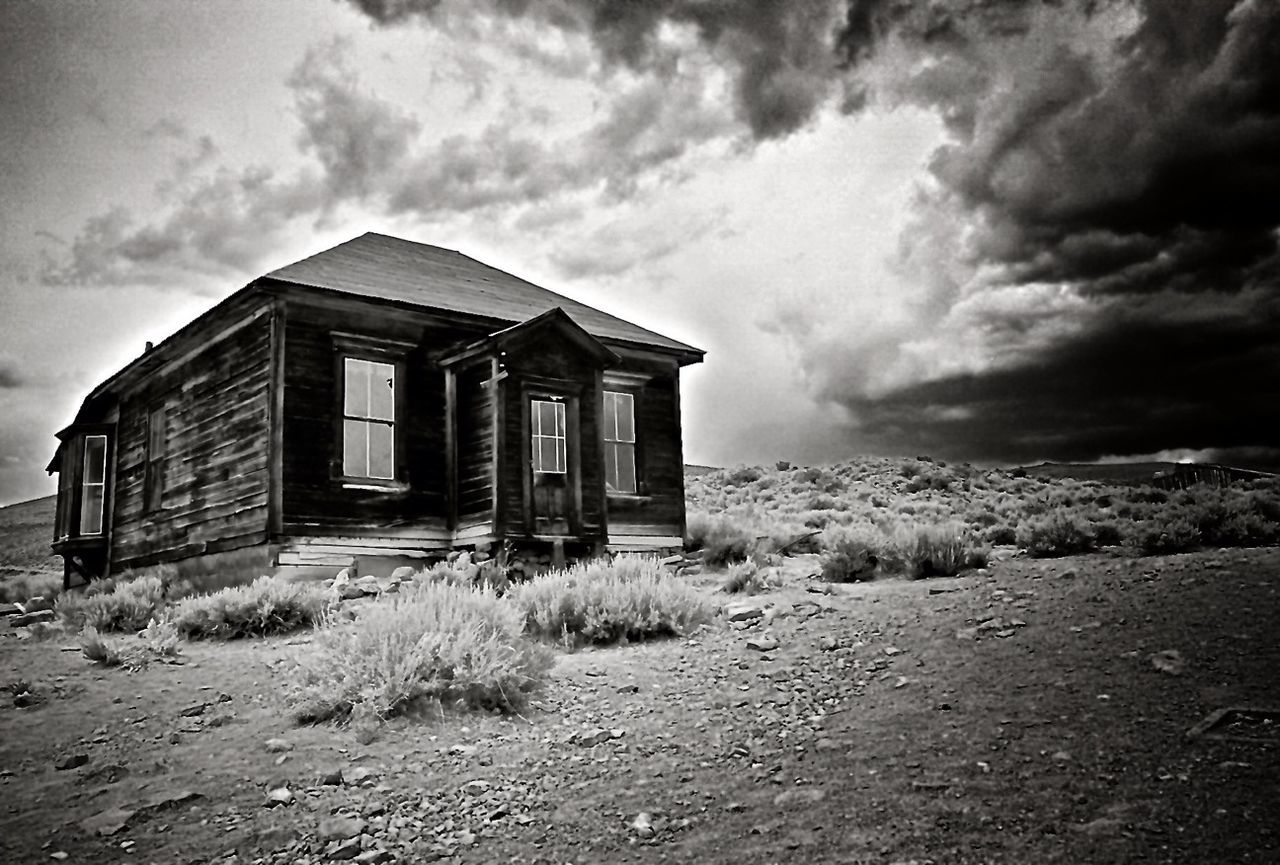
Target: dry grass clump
723,541
20,589
114,605
630,598
745,578
437,644
267,606
157,642
913,550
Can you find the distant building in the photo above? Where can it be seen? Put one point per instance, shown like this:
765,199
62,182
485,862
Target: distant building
372,404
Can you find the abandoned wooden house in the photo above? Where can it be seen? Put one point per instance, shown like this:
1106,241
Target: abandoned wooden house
377,404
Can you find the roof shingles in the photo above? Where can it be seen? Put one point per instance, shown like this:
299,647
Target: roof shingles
390,268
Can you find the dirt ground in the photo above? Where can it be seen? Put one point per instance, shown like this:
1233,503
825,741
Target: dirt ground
1019,714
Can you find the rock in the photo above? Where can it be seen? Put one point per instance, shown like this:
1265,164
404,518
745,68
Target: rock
892,650
340,828
628,689
742,611
402,573
330,778
31,618
194,711
591,738
360,775
374,857
38,604
476,788
369,585
466,838
279,796
277,746
642,825
71,761
343,576
672,560
107,822
1169,661
59,855
348,849
799,796
762,643
349,591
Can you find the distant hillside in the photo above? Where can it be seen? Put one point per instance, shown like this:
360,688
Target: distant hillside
25,532
1115,473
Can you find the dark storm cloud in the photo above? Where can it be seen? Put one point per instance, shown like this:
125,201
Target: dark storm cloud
1131,387
10,376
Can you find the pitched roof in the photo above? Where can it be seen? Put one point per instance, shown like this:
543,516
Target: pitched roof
390,268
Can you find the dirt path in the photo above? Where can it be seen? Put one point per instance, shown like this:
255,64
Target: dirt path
1010,716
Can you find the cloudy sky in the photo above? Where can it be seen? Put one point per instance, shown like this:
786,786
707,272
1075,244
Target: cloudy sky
991,231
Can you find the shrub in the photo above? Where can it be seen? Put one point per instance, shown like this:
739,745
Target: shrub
24,588
436,644
722,541
935,550
630,598
850,557
1000,535
126,605
1157,537
744,578
1057,534
158,641
460,570
267,606
743,475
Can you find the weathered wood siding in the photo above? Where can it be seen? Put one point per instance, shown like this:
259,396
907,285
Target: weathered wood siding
215,389
314,500
475,446
659,507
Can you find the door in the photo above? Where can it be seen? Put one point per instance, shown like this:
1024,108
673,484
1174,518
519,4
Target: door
554,476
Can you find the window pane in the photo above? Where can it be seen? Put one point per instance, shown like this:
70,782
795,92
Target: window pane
626,418
559,411
382,391
355,448
610,415
546,455
382,446
626,461
91,509
355,400
95,459
546,417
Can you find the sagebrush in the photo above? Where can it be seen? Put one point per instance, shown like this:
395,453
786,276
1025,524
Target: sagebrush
631,598
435,644
267,606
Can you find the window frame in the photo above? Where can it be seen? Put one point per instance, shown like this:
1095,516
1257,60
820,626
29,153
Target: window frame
85,484
614,442
154,456
370,419
559,434
389,352
69,513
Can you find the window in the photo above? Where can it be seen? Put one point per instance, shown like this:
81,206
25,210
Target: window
619,442
157,438
549,445
368,419
93,485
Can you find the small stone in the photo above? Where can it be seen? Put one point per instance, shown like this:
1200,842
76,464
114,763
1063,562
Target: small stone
107,822
466,838
360,775
591,738
279,796
743,611
339,828
476,788
348,849
762,643
194,711
278,746
642,825
1169,661
402,573
60,855
330,778
71,761
892,651
799,796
